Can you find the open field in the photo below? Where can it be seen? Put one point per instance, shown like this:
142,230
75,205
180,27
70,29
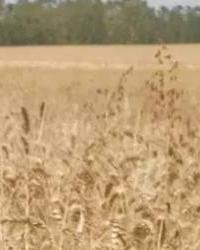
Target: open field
95,57
100,148
57,68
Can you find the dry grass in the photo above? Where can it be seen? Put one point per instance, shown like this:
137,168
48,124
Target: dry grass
108,167
95,57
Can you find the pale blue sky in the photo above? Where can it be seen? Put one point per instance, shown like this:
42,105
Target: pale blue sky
174,2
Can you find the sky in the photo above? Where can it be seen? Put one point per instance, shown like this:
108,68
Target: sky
174,2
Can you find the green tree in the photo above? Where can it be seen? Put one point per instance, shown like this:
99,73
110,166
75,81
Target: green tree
95,22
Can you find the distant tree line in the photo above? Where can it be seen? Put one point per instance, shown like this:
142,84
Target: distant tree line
96,22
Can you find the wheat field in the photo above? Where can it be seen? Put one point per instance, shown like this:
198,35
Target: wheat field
100,148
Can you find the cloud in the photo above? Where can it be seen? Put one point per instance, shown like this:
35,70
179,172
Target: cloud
174,2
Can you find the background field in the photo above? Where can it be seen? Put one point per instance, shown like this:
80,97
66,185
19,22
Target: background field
56,68
96,57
